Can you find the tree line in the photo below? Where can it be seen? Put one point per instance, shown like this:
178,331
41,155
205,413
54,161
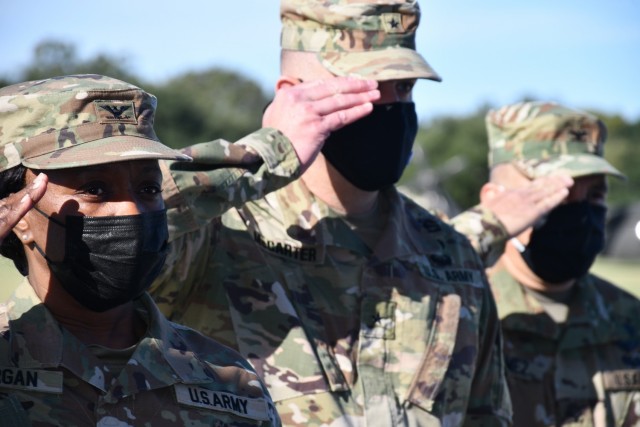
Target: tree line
450,154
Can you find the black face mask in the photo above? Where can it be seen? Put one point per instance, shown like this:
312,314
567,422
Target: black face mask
567,244
371,153
110,260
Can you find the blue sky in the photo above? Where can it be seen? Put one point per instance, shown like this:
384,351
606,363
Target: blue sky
585,53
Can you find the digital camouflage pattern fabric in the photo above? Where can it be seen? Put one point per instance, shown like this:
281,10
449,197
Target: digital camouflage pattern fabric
79,120
478,224
225,175
368,38
572,358
174,377
543,137
484,231
402,333
582,372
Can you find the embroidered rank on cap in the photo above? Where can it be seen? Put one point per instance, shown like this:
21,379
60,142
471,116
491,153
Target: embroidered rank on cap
392,22
116,112
31,380
242,406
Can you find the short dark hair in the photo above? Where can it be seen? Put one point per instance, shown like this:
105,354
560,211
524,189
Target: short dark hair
11,181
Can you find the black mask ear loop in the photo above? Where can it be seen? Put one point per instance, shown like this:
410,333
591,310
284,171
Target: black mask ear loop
50,218
55,221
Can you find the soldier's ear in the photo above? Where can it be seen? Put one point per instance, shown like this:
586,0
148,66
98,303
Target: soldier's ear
23,230
287,81
490,191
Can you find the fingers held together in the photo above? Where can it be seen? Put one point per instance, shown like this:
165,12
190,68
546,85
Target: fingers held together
15,206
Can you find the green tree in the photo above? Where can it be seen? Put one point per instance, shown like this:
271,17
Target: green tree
455,149
216,103
193,107
623,151
54,58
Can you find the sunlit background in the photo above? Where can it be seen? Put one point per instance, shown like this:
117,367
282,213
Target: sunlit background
585,54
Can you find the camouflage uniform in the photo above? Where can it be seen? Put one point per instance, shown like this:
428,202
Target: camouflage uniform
484,231
401,332
175,376
584,371
376,40
405,334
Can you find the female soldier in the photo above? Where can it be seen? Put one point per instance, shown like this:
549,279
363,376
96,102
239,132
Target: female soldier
81,342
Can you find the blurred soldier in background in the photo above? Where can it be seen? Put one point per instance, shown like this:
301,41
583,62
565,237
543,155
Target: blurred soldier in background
571,339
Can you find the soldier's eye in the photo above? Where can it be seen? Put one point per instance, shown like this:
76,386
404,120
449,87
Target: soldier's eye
405,86
95,188
151,189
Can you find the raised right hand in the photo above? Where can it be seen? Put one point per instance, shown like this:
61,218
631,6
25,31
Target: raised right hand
519,208
308,112
14,207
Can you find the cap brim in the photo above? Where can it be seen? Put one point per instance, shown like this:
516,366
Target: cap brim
106,150
575,165
384,64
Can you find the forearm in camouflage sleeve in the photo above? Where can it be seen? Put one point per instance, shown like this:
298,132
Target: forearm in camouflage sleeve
484,230
489,401
223,175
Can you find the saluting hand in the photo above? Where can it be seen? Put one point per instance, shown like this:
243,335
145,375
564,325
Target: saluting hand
14,207
519,208
308,112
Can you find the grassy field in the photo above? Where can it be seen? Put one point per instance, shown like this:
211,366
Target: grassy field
9,277
625,274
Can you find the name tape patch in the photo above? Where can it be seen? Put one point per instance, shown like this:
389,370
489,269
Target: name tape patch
247,407
453,275
31,379
307,254
627,379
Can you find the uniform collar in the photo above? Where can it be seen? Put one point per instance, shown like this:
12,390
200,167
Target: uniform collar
588,319
160,359
410,229
306,220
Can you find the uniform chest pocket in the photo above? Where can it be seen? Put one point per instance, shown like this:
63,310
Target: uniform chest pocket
436,361
410,342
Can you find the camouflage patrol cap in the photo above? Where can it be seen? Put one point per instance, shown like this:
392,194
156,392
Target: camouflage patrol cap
79,120
372,39
542,137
